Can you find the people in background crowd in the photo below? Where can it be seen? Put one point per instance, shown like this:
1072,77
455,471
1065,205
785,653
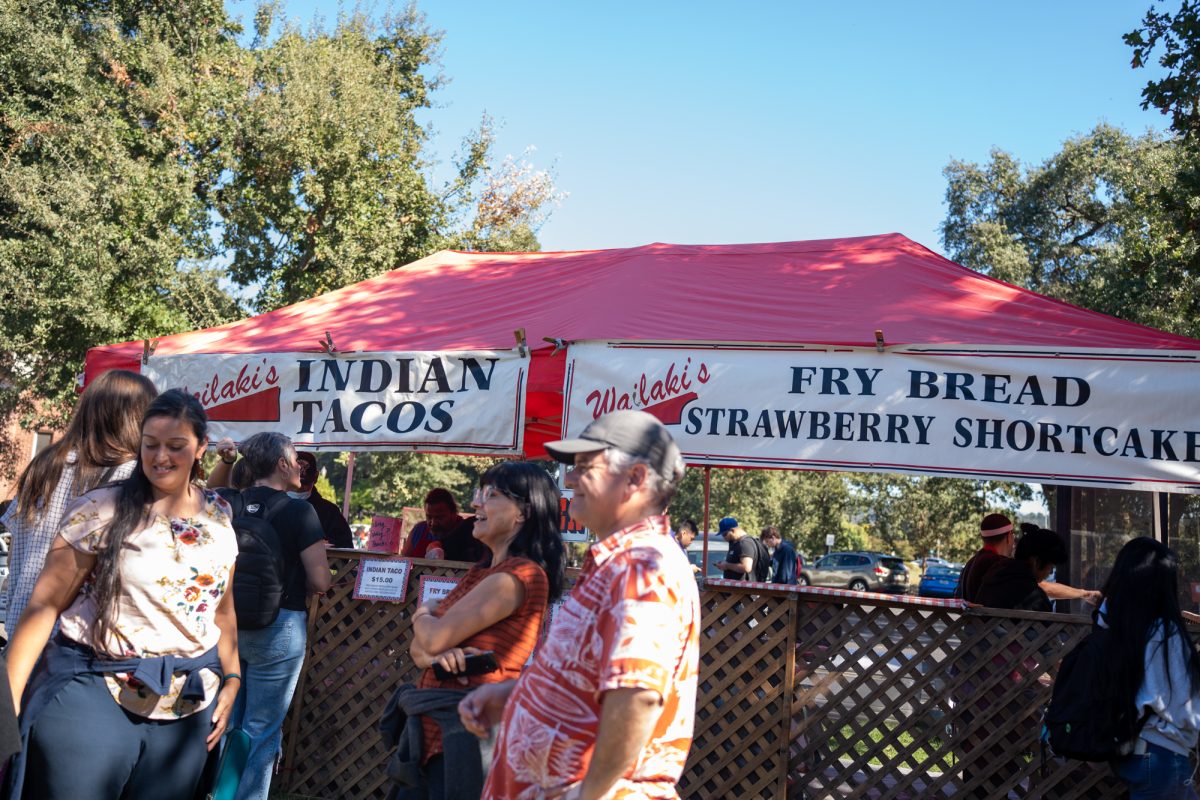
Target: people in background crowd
141,678
742,562
783,556
685,536
100,446
441,518
996,531
335,526
1014,582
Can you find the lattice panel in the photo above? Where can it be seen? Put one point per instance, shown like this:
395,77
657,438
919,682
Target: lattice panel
740,745
907,702
801,696
358,655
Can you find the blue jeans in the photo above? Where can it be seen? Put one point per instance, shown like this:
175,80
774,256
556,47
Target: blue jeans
1159,774
271,662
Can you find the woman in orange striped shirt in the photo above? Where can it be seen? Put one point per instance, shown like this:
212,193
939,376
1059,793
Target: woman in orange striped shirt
498,606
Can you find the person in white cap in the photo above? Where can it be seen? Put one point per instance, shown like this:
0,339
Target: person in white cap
997,533
607,707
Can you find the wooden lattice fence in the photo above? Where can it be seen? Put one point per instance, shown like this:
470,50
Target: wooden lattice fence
802,695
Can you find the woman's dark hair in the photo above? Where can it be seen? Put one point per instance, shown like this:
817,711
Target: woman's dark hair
1141,593
262,452
104,433
1041,544
134,497
539,538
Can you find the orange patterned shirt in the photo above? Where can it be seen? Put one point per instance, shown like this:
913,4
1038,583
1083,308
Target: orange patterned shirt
632,621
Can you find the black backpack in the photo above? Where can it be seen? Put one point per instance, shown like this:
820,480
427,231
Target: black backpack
762,562
261,576
1082,720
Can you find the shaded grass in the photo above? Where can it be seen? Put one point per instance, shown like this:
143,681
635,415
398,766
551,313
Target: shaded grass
931,753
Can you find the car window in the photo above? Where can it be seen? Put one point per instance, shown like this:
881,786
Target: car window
892,563
859,561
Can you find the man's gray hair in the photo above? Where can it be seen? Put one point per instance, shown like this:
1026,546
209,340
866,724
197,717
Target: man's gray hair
662,488
262,452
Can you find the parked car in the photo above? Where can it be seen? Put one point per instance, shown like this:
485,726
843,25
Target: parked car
939,580
861,571
718,549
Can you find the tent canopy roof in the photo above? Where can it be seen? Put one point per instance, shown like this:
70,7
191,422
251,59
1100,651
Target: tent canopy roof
830,291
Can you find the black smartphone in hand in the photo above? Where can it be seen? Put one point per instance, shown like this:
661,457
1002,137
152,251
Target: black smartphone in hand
476,664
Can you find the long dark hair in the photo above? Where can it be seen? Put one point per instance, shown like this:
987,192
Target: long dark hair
539,538
1141,593
104,433
134,497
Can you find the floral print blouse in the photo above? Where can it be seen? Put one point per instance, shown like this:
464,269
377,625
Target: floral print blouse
174,572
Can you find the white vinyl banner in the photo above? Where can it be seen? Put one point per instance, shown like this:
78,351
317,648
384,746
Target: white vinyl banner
464,402
1087,417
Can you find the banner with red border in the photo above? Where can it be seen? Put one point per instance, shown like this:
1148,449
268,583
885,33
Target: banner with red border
460,402
1121,419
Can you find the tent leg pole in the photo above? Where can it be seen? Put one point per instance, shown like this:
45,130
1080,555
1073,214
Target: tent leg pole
707,487
349,485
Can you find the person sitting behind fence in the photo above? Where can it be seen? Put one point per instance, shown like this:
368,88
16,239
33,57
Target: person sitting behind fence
441,518
498,606
1153,671
1014,582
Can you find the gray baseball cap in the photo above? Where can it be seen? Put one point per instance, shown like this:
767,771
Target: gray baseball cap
633,432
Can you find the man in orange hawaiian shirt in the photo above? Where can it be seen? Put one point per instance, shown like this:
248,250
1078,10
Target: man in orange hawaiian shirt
606,710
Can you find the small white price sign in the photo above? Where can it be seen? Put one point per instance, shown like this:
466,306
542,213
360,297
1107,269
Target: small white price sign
435,588
382,579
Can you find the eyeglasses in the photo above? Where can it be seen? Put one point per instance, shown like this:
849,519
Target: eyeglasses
580,471
485,493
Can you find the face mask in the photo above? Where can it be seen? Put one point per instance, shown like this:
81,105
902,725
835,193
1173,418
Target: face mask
299,495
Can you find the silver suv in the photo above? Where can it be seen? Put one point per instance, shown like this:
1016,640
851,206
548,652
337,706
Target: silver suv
861,571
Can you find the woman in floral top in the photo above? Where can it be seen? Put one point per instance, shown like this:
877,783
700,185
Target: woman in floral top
139,682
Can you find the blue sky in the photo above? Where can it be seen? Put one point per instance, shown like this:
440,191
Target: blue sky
698,123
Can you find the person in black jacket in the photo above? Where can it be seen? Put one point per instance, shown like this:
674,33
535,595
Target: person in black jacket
337,530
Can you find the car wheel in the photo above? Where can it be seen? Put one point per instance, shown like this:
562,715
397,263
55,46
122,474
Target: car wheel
804,581
859,585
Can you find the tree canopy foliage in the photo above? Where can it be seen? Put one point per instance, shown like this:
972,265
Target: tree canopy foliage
1110,222
156,161
1095,225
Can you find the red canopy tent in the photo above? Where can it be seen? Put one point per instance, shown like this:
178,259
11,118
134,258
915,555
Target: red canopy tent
832,291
